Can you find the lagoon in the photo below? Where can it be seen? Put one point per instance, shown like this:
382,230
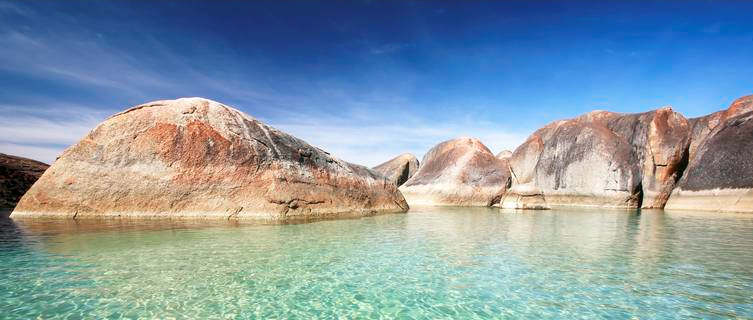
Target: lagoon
433,262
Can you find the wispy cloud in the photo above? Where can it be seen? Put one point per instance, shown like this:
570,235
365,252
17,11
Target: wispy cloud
44,154
371,144
42,134
389,48
361,123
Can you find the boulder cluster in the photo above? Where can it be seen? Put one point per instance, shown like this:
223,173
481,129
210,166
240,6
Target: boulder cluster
194,157
657,159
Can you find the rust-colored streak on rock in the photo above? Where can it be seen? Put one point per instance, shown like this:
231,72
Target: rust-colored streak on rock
719,175
194,157
601,159
701,127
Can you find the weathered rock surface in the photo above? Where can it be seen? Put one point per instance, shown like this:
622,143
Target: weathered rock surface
660,141
719,176
459,172
702,126
600,159
194,157
399,169
17,175
504,154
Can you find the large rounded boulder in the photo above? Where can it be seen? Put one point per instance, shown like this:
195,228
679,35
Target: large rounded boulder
194,157
17,175
719,176
398,169
600,159
461,172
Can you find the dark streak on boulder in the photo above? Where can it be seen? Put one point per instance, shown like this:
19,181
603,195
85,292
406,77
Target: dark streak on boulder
719,177
399,169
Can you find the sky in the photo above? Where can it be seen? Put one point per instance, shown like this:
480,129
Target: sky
366,80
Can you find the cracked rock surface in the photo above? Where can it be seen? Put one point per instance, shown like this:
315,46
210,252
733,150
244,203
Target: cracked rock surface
194,157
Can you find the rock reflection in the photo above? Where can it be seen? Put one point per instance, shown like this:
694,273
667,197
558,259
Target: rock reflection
649,240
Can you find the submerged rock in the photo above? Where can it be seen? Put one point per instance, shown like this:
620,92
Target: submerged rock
504,154
600,159
17,175
399,169
459,172
199,158
719,176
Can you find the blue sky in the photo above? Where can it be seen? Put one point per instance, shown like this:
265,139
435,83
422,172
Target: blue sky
367,80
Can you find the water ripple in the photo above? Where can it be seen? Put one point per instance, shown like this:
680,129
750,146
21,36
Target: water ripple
469,263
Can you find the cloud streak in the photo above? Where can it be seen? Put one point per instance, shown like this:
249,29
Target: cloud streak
373,144
43,134
363,123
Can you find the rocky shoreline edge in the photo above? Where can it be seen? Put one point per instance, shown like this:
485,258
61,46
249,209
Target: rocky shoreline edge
197,158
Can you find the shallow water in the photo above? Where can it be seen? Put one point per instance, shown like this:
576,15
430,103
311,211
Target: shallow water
430,263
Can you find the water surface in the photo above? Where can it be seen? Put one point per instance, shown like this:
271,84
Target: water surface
430,263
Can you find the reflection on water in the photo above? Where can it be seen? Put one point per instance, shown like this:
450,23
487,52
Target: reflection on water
429,263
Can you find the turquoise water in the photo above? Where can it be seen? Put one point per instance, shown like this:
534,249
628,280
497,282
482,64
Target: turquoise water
430,263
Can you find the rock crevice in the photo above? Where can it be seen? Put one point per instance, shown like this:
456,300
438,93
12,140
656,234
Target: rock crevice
602,159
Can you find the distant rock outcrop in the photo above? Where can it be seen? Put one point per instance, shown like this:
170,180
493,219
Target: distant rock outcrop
600,159
504,154
195,157
459,172
399,169
719,176
17,175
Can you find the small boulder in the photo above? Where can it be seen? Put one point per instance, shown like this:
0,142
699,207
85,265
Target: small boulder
504,154
461,172
399,169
